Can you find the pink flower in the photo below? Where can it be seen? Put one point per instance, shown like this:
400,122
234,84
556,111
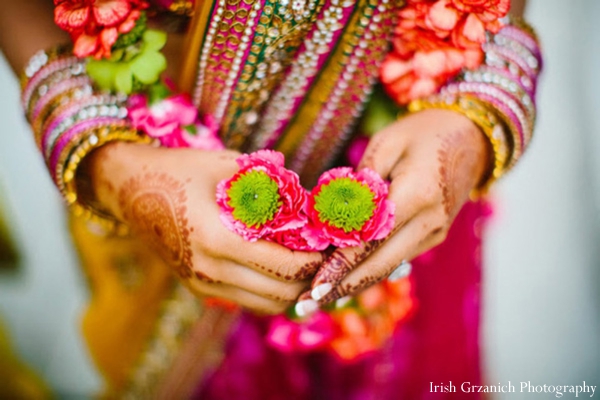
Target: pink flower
174,122
263,198
348,207
420,63
307,238
315,332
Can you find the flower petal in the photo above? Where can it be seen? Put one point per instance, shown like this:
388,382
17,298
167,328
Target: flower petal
111,12
148,66
71,16
123,79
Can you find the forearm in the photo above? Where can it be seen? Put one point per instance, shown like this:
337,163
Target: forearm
517,7
25,28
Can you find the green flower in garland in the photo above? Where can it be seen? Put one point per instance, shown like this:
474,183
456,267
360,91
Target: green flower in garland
138,64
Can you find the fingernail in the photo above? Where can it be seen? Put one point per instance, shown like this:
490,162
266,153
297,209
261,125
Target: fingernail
321,291
342,302
401,272
306,307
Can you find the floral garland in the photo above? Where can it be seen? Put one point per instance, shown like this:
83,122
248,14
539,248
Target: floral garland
434,41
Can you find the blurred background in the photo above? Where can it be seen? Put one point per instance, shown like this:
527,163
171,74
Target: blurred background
542,272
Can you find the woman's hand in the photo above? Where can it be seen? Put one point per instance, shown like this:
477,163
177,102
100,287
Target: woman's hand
433,159
167,196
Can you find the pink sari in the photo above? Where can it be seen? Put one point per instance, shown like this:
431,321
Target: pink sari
439,345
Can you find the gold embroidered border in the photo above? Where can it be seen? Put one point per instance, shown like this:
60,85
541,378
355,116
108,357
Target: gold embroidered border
193,44
321,88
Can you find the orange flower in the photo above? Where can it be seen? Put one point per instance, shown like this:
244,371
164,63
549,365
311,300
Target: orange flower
434,40
95,25
381,309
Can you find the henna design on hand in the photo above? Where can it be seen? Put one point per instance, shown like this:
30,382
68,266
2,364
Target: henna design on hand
337,266
350,290
308,270
373,149
154,204
457,162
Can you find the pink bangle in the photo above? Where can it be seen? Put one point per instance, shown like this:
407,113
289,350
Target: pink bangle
532,58
44,73
71,136
518,35
65,116
56,90
504,81
510,56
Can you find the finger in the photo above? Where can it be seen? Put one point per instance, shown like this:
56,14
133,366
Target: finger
239,296
419,235
236,275
337,266
412,196
267,258
385,150
275,260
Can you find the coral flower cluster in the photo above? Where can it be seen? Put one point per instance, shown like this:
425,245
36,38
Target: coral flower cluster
434,40
95,25
360,327
264,200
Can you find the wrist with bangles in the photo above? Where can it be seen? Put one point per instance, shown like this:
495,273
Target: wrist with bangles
70,121
498,96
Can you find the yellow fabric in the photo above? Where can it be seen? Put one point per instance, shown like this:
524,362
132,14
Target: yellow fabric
128,282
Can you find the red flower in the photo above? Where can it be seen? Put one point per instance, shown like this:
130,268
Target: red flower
95,25
486,10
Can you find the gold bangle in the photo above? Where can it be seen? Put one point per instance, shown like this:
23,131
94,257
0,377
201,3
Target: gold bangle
93,141
486,119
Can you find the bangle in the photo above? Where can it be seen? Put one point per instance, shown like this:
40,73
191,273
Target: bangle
94,139
60,88
41,59
485,118
46,72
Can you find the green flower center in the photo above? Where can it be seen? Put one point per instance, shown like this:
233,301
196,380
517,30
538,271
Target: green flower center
254,197
345,203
